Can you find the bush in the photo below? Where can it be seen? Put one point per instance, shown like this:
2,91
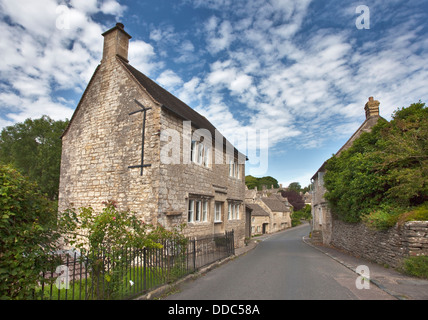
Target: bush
387,167
27,234
112,231
416,266
381,219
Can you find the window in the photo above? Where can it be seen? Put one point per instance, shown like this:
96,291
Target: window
231,168
190,212
193,151
233,211
205,210
200,154
234,170
217,215
198,210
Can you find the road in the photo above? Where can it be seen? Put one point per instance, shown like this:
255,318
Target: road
282,267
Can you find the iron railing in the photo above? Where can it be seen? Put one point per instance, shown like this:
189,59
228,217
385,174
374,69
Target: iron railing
129,272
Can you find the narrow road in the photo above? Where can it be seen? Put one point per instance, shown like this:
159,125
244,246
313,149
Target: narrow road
282,267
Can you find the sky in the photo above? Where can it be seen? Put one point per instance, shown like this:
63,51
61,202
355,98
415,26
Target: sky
292,76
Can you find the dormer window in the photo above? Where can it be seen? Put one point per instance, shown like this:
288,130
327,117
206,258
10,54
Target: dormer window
234,170
200,153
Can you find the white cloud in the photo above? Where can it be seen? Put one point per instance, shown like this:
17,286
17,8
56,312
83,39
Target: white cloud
142,56
169,79
47,47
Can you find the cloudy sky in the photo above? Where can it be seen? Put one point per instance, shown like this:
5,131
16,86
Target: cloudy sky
299,70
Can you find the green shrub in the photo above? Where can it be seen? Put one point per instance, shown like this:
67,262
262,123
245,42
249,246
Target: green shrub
416,266
385,167
27,234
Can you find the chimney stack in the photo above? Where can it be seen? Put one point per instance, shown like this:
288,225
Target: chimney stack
116,42
372,108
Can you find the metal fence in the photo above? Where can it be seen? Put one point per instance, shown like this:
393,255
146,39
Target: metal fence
129,272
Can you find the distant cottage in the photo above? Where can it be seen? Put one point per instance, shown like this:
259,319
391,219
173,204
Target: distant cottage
321,214
131,141
270,212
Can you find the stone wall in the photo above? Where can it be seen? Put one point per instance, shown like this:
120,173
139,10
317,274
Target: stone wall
184,179
384,247
103,140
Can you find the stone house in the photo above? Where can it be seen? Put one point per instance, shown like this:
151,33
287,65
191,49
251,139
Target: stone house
260,219
271,212
321,214
131,141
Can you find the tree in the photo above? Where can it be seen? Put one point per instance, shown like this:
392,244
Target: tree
384,170
34,148
294,198
295,186
27,234
252,182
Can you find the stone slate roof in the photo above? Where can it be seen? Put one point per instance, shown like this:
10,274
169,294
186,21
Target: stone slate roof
275,204
169,101
257,210
173,104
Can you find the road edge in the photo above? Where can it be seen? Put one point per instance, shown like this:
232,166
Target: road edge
306,240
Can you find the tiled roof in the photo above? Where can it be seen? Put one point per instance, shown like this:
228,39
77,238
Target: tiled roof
169,101
257,210
275,205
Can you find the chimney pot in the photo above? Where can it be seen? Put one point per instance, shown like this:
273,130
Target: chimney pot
116,42
372,108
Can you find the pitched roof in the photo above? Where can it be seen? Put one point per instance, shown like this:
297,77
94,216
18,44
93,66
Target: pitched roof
274,204
169,101
256,210
172,103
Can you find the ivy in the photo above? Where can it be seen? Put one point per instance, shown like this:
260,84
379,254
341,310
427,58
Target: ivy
384,170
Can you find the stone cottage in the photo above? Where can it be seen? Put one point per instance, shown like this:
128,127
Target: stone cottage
321,214
131,141
260,219
270,211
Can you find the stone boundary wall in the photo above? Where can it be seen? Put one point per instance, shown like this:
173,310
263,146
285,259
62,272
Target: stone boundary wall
384,247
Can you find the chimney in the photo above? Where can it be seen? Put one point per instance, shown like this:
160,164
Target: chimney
372,108
116,42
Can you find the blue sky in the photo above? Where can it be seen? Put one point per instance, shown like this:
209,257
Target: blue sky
301,69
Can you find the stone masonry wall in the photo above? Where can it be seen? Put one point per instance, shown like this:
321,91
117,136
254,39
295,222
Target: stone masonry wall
384,247
183,179
103,140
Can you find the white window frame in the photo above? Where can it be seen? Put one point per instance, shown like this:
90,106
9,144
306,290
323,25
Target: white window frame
204,210
198,210
193,150
200,154
198,207
218,208
229,211
190,212
234,169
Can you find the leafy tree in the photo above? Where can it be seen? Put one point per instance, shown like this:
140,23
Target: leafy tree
268,181
295,186
385,169
34,148
251,182
294,198
27,234
113,232
304,213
